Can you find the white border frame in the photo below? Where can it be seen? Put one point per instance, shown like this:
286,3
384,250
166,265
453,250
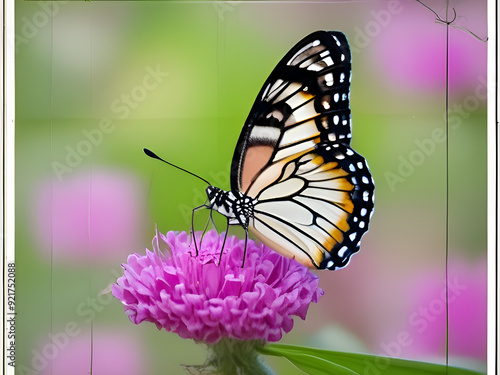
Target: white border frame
7,159
492,208
7,180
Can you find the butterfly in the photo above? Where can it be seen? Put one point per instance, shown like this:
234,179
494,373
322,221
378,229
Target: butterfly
296,183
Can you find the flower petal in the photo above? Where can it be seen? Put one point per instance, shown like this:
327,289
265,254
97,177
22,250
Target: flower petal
197,298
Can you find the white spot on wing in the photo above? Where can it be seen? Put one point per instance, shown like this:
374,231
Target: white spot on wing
296,133
276,114
315,67
277,85
282,189
328,61
329,79
264,133
300,51
342,251
287,210
302,146
265,91
291,91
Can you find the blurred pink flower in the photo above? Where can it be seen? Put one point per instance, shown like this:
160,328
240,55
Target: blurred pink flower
404,302
412,48
198,298
467,295
113,353
94,216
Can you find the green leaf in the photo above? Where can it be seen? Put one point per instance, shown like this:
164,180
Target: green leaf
319,362
317,366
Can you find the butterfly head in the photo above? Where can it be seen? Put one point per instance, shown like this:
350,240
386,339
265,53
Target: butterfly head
213,194
219,198
220,201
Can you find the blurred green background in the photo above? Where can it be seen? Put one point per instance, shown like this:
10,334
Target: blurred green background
98,81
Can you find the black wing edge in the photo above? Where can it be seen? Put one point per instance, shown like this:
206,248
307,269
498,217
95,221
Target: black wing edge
362,197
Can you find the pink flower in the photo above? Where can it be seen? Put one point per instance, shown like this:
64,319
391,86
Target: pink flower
89,217
112,353
467,302
198,298
411,51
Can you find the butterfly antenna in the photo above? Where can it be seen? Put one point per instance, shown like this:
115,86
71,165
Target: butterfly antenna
151,154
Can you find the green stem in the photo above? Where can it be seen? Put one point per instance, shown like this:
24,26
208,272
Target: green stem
233,357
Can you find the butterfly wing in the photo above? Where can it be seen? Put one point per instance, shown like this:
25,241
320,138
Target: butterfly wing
314,193
314,207
305,100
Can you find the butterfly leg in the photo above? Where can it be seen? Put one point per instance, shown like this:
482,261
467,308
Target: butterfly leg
205,228
246,242
224,242
193,236
212,220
